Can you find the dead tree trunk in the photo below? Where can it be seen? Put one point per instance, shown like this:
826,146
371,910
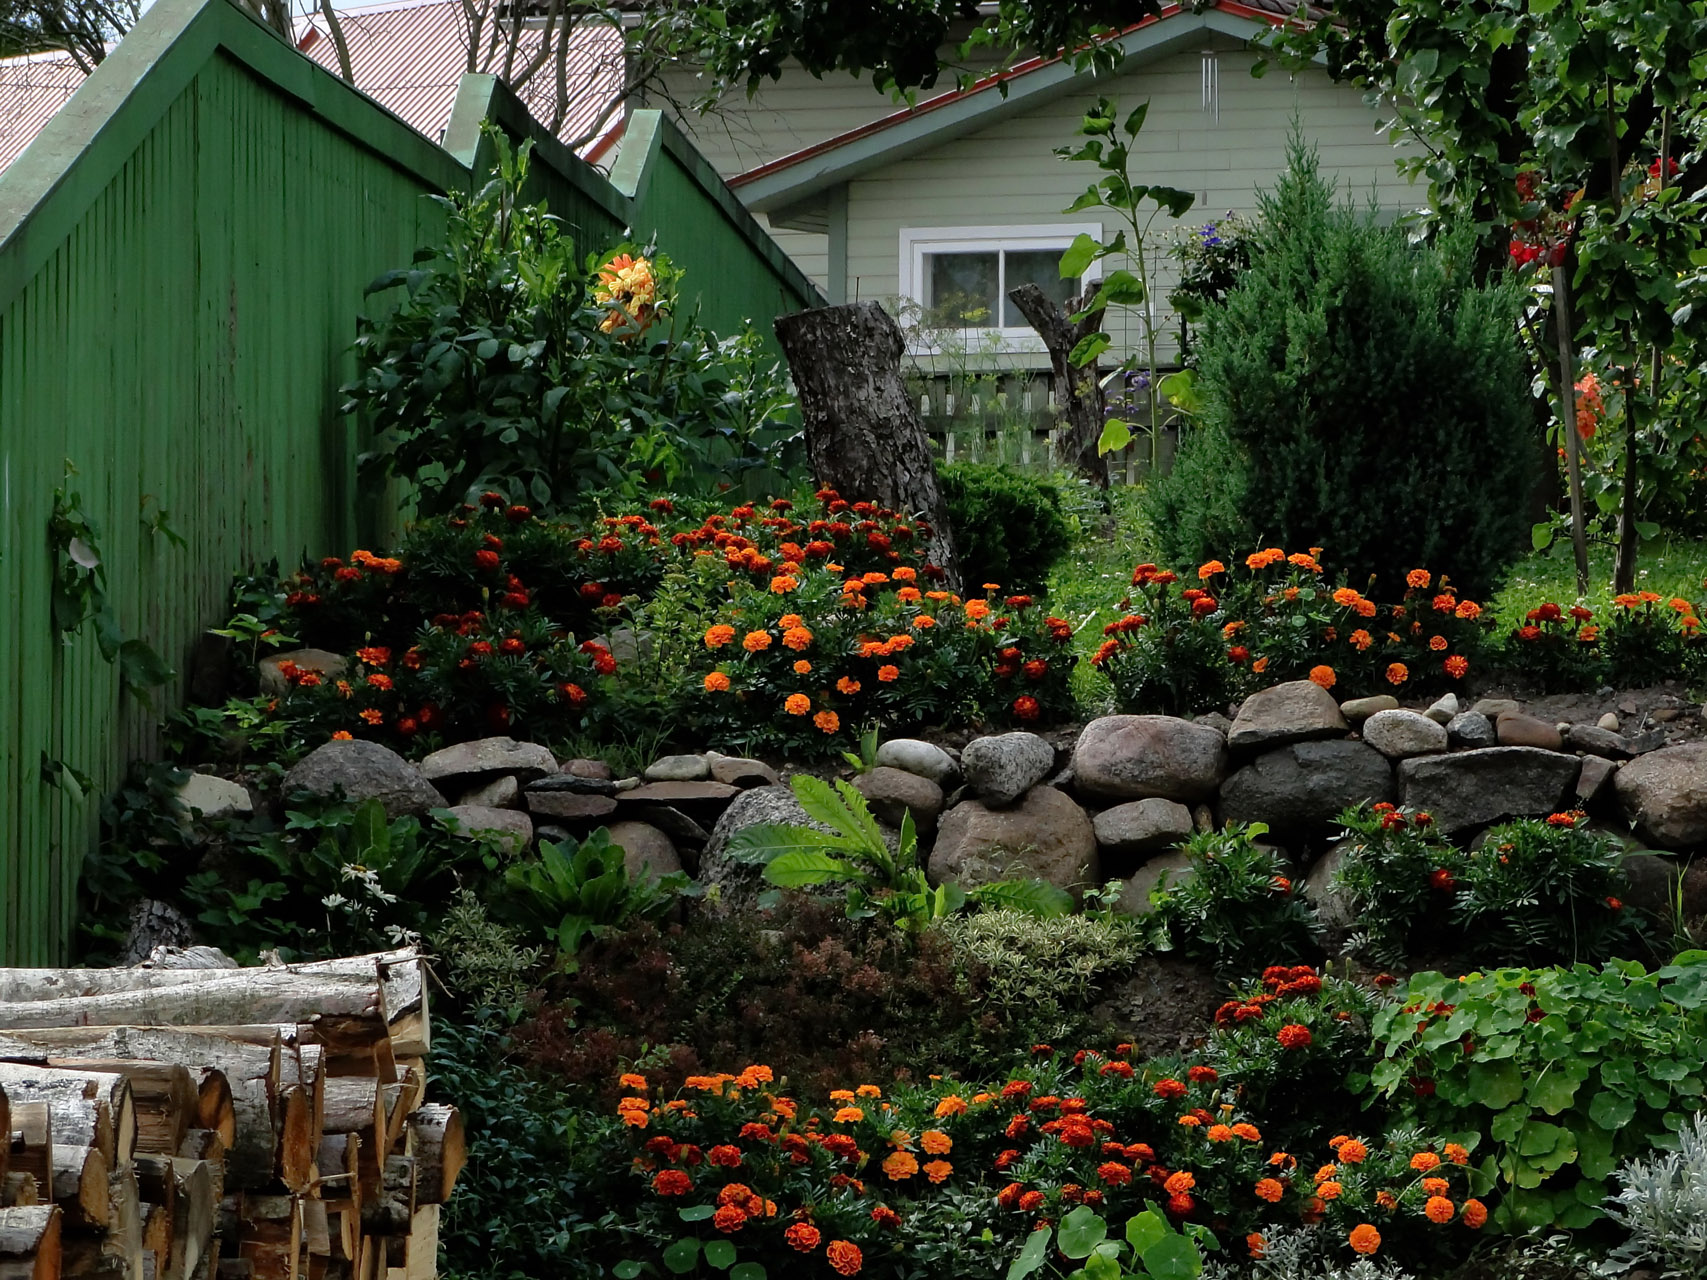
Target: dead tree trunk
863,436
1079,389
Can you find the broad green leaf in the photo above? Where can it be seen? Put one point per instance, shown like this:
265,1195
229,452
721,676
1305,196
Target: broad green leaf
627,1269
1088,348
1135,121
1081,1231
1180,390
1034,897
747,1271
1032,1256
1552,1091
800,868
762,843
1541,535
1647,529
682,1256
697,1212
1496,1085
1144,1229
1079,255
719,1254
1173,1258
1116,435
1178,203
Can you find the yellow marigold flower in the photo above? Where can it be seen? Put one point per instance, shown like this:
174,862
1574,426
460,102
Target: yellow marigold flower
848,1115
756,641
899,1165
797,704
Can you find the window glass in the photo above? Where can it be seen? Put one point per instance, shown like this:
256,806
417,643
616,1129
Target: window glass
964,290
1040,267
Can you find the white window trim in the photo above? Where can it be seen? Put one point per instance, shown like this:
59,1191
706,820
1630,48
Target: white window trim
916,242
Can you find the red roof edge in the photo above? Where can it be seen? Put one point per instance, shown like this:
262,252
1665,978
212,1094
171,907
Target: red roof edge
607,140
988,82
310,38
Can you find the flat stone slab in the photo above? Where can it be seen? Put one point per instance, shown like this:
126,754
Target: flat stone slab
1297,711
569,806
469,762
1306,785
1471,789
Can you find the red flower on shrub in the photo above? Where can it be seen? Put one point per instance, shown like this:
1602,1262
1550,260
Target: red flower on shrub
1294,1036
672,1182
802,1236
1442,879
1203,1075
1113,1174
724,1157
486,560
1027,707
1169,1088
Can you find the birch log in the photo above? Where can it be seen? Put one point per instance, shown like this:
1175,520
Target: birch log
80,1186
29,1243
90,1108
440,1152
31,1139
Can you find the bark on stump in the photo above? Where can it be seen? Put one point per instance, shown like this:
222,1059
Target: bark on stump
863,436
1079,389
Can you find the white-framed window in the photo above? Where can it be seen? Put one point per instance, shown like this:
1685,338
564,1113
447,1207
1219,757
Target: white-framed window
959,277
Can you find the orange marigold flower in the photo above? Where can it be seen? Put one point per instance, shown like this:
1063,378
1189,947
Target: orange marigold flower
1469,610
847,686
1364,1239
802,1236
1114,1173
716,682
952,1105
889,673
1351,1151
1398,673
847,1115
1270,1189
629,1080
1456,666
756,641
1437,643
797,638
718,636
1256,1245
802,668
1440,1210
1386,1200
1260,665
977,609
1249,1132
1436,1186
1322,675
1329,1190
938,1170
1262,559
1475,1214
672,1182
1423,1161
1209,570
371,716
343,735
1293,1036
935,1142
797,704
1346,598
844,1257
1361,639
729,1219
900,1164
781,586
1420,579
827,721
1457,1154
1219,1133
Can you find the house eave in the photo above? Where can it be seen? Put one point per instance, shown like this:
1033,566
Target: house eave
794,178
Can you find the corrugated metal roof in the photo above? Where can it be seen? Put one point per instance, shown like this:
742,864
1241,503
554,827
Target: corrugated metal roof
407,55
410,56
31,90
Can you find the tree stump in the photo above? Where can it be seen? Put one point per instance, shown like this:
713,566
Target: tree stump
1079,389
863,437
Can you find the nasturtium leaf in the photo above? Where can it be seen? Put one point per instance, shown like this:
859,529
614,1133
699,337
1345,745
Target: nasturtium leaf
682,1256
1173,1258
1552,1091
1034,1254
697,1212
627,1269
1081,1231
1496,1085
1144,1229
719,1254
747,1271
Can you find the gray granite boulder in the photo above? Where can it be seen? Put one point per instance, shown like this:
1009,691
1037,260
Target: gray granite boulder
361,771
1170,869
1045,836
1142,826
914,755
1664,795
1473,788
1471,729
892,793
684,768
1135,757
645,849
728,882
511,830
1399,733
1297,711
1358,710
212,798
465,763
1304,786
1003,767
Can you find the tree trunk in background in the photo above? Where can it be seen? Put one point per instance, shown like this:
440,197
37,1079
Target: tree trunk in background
863,437
1079,389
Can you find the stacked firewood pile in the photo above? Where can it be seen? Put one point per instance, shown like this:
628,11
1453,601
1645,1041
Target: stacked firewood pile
182,1123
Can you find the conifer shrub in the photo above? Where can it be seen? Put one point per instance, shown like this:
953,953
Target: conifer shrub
1008,526
1361,394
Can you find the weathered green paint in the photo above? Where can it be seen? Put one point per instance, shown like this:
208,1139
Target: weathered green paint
182,257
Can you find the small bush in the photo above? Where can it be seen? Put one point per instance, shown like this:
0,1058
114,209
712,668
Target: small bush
1236,908
1663,1205
1009,527
1361,394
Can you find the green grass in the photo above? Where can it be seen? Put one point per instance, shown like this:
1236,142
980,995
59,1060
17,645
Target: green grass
1670,567
1088,584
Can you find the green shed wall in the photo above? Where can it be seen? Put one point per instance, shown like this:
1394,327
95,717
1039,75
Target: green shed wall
182,257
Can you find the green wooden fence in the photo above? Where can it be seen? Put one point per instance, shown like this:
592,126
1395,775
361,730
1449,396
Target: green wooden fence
182,256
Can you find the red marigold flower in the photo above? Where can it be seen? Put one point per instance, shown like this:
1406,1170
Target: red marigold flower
1180,1205
724,1157
487,560
884,1216
802,1237
672,1182
1026,707
1442,879
1168,1087
1114,1174
1293,1036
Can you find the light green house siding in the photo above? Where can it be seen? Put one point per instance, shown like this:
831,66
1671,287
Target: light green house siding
1008,174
